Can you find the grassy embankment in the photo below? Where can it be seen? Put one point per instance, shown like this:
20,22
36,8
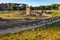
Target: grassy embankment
51,32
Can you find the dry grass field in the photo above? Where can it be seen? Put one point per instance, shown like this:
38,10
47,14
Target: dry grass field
14,15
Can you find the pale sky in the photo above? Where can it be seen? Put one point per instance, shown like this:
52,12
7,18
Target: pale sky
32,2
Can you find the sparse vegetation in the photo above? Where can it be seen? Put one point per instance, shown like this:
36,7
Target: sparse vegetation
50,32
56,14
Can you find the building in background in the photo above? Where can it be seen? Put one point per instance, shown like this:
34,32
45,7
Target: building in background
4,6
12,6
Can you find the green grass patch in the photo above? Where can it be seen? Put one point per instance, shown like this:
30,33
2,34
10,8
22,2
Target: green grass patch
56,14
